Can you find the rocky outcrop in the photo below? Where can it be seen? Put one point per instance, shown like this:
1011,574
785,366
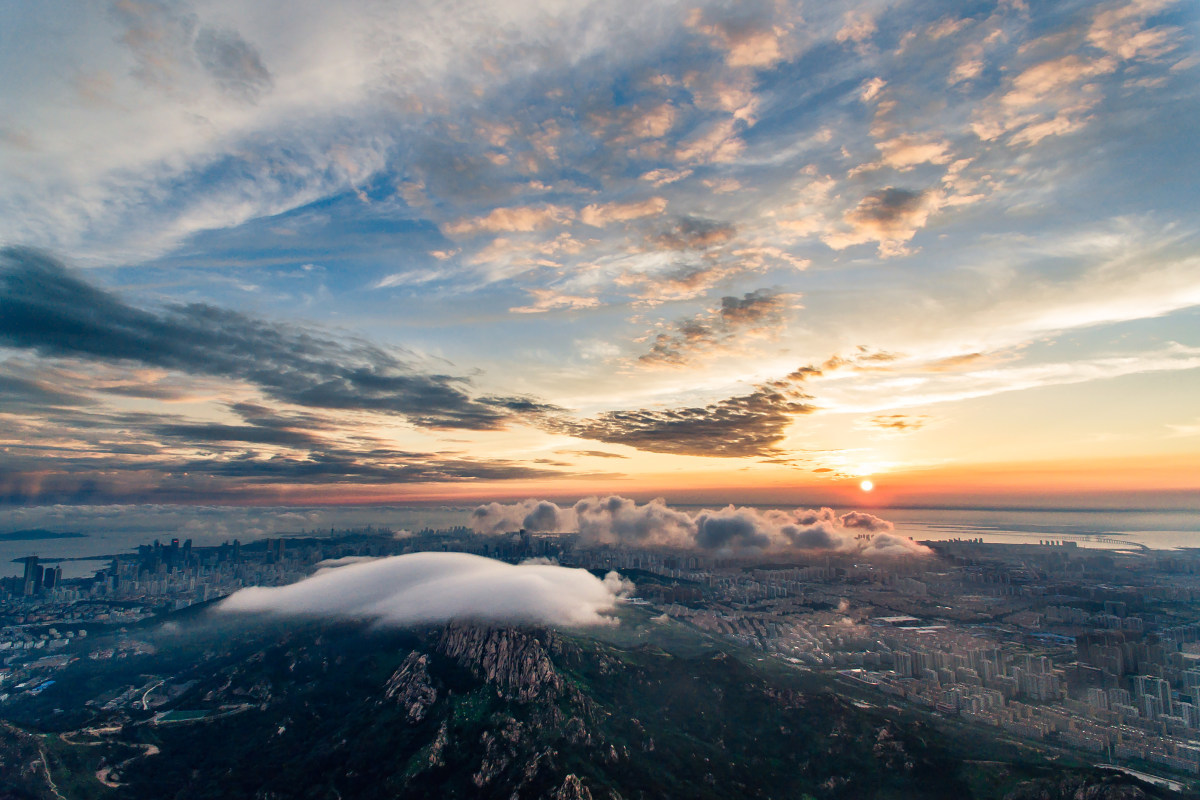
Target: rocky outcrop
572,789
1078,788
411,688
501,746
513,660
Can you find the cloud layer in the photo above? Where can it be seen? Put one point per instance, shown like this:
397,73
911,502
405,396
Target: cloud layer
620,521
46,308
431,588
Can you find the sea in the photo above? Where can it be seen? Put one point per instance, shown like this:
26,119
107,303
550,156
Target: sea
119,530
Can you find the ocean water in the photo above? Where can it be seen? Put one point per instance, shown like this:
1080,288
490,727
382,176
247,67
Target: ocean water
116,530
1158,530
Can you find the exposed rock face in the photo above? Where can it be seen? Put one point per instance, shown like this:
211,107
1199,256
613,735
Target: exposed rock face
513,660
411,688
572,789
500,747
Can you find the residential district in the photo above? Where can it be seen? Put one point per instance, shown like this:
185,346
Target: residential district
1094,649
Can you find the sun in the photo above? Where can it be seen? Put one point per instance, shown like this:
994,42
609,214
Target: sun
867,486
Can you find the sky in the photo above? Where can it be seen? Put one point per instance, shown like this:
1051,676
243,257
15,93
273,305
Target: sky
315,253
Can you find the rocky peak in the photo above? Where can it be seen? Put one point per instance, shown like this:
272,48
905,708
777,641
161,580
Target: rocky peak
572,789
411,687
514,660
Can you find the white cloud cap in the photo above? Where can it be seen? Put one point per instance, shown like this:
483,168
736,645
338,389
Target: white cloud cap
421,588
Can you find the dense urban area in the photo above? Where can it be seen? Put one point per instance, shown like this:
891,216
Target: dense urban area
1090,649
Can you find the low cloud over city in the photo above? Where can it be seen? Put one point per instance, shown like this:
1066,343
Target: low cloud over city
623,522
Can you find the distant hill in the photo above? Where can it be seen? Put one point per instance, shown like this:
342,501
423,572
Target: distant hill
37,534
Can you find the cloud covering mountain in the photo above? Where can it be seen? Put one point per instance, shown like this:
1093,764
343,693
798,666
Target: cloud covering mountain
420,588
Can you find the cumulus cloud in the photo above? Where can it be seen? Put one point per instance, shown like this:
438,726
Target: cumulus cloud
890,216
619,520
432,588
616,520
539,516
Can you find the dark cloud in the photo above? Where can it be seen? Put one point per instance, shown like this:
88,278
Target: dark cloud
123,475
20,394
47,309
755,313
694,233
233,63
739,530
748,425
251,434
752,424
887,206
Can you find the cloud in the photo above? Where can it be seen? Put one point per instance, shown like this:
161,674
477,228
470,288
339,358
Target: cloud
550,300
694,233
532,515
1058,93
619,521
745,45
159,37
747,425
434,588
719,144
233,63
907,151
754,314
890,216
857,27
522,219
600,215
902,423
590,454
48,309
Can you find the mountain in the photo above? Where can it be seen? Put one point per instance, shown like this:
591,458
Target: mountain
345,711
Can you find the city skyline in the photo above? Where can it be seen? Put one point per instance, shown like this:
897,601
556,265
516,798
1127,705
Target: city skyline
748,254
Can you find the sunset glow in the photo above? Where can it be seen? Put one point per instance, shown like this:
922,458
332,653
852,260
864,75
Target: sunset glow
711,253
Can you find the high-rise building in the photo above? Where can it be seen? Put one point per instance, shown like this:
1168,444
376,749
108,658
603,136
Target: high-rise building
31,576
